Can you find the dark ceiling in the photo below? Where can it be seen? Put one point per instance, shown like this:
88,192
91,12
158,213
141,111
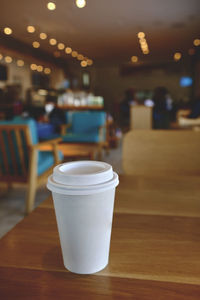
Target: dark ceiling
106,30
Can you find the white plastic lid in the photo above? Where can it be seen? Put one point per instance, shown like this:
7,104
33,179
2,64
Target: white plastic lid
82,178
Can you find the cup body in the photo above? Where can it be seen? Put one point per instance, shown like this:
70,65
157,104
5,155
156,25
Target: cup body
83,195
84,225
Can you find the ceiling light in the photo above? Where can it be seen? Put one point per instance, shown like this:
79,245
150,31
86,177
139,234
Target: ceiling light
61,46
20,63
146,51
134,59
39,68
8,59
33,67
7,30
177,56
89,62
51,5
47,70
83,63
74,53
30,29
80,3
141,35
142,41
196,42
68,50
52,42
36,44
80,57
1,56
43,36
145,47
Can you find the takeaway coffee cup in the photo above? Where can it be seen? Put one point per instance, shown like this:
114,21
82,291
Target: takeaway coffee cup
83,194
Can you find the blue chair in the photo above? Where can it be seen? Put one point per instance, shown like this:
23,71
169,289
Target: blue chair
21,159
86,127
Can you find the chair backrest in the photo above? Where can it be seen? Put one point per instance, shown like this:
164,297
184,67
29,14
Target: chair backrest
87,122
161,152
15,141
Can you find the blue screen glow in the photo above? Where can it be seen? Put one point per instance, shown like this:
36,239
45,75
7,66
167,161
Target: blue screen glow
186,81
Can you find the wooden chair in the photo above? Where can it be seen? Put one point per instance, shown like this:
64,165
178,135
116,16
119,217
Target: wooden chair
87,128
21,160
161,152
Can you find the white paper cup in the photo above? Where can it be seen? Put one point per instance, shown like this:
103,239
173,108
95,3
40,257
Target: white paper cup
83,194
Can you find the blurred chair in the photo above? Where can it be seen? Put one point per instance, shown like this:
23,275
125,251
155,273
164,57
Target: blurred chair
161,152
86,127
20,159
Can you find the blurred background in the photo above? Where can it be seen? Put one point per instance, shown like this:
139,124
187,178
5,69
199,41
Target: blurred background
99,53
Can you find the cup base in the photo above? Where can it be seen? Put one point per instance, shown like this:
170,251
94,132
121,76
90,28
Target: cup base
86,272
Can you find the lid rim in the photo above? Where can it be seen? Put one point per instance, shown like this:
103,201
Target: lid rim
96,173
80,190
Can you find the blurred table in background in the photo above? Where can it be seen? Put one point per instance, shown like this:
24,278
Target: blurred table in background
155,247
76,150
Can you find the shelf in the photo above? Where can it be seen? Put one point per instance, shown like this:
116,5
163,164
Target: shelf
81,107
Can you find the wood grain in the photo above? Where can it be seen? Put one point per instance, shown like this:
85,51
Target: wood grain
153,195
150,247
154,251
35,284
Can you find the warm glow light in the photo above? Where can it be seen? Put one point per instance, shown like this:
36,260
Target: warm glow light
191,51
68,50
141,35
89,62
146,51
7,30
30,29
39,68
177,56
33,67
74,53
196,42
52,42
51,6
145,47
47,70
142,41
1,56
8,59
20,63
61,46
83,63
80,57
43,36
134,59
36,44
80,3
56,53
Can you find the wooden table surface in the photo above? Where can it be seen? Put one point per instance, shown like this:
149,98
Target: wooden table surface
75,150
155,248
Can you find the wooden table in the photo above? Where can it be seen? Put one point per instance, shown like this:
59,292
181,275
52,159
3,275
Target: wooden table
155,248
76,150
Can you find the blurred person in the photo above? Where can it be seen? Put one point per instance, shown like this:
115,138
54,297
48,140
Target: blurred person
54,114
195,109
162,107
125,108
